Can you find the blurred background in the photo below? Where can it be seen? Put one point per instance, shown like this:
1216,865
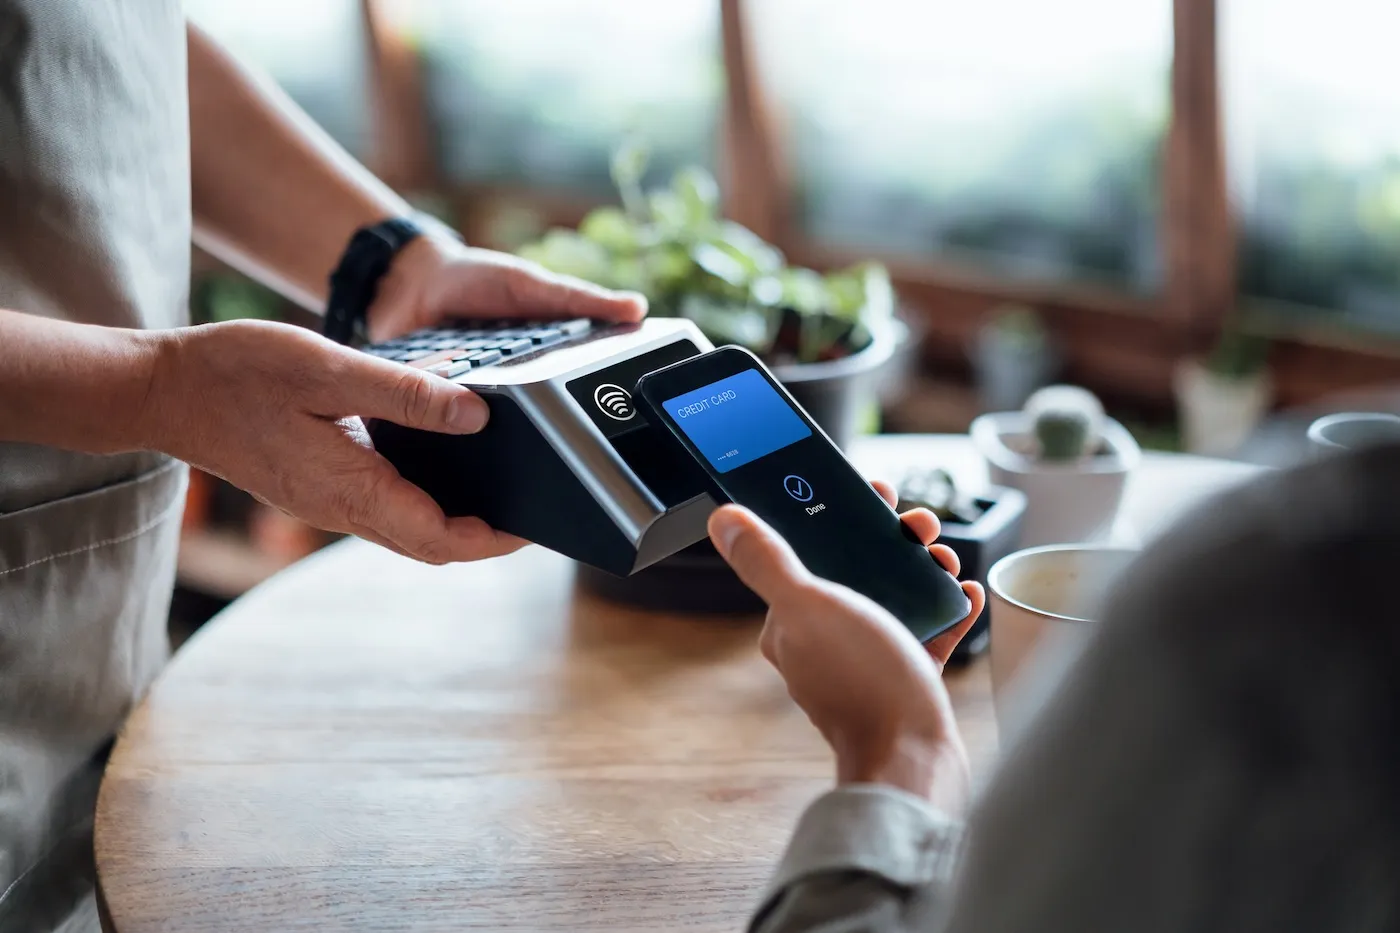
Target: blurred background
1189,207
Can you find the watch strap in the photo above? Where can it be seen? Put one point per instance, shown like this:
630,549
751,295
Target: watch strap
355,281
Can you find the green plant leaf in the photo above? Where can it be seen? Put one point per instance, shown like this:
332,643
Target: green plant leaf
668,266
765,257
766,290
846,294
722,264
568,253
669,214
726,323
698,192
804,290
629,166
611,229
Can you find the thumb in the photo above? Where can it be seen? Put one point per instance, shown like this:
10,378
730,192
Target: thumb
375,388
535,290
761,558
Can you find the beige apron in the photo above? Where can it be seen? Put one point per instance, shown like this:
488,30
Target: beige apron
94,227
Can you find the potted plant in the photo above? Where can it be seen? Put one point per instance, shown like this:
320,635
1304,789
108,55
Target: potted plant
827,337
980,529
1012,357
1222,398
1069,460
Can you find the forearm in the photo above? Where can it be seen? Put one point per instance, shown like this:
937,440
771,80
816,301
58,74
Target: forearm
75,386
273,195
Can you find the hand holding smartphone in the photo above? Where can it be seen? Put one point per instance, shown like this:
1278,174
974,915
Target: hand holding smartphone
759,449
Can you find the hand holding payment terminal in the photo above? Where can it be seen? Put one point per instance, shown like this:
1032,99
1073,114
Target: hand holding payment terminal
759,449
571,461
567,460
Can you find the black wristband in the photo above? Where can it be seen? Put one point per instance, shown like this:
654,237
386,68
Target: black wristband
355,281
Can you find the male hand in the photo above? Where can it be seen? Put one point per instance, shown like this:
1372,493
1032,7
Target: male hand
275,410
875,694
434,278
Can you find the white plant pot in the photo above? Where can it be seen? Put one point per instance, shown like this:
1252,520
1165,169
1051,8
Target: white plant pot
1218,414
1069,502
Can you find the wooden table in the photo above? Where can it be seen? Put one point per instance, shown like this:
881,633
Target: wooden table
365,743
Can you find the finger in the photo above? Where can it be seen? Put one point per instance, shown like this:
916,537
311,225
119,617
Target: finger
477,537
370,387
886,492
923,523
761,558
407,518
941,648
947,557
532,289
360,531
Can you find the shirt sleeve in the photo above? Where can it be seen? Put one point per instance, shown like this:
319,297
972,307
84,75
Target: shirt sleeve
863,858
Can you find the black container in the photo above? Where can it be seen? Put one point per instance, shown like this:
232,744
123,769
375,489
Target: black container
838,394
979,545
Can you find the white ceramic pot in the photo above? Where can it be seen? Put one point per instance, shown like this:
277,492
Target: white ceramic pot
1066,502
1218,414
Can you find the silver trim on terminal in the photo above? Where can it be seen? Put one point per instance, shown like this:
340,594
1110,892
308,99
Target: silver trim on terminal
578,441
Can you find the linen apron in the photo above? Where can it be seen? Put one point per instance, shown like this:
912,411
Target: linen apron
94,227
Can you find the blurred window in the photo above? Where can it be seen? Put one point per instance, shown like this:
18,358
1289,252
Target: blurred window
1312,119
541,92
315,49
1019,135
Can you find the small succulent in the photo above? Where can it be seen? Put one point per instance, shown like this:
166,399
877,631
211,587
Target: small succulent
1238,354
1020,326
1067,421
936,491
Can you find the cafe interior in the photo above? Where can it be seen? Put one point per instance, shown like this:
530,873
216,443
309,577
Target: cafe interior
1189,209
1059,273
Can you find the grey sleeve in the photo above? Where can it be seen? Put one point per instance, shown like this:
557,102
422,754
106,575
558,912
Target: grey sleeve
863,858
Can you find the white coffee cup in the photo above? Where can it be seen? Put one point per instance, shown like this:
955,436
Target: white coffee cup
1039,592
1352,430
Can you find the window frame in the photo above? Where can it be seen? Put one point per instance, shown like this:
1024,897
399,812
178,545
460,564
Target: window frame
1112,341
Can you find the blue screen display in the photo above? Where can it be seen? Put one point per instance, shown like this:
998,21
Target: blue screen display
737,420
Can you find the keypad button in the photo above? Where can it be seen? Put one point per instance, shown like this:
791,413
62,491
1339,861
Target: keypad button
576,327
520,345
485,357
543,337
452,370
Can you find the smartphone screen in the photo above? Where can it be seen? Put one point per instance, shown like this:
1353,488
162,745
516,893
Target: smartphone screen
761,450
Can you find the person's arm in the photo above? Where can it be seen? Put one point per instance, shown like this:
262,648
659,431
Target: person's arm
273,194
876,853
275,197
270,407
74,386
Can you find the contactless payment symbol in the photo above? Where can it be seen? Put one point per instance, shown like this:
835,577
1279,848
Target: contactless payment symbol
615,402
798,488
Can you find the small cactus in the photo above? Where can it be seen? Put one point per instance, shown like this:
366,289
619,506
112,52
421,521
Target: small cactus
1063,433
1067,421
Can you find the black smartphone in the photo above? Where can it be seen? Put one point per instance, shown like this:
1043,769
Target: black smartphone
761,450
